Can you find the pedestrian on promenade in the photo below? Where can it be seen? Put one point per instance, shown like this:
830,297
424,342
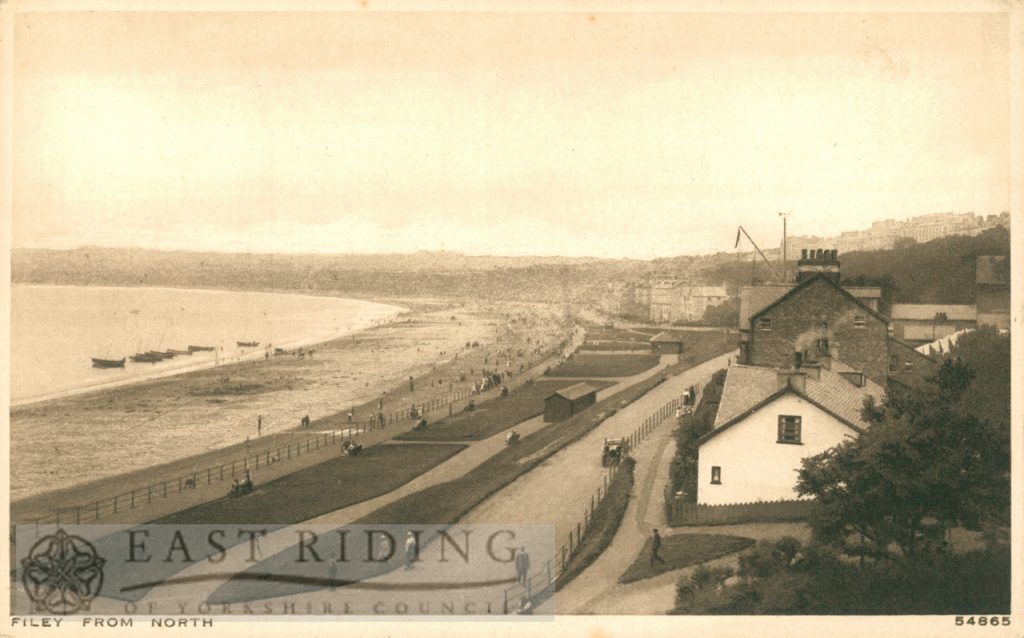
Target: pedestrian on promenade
412,384
522,566
655,548
332,572
259,424
410,551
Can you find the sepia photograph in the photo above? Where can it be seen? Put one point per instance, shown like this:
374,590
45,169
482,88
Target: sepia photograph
596,318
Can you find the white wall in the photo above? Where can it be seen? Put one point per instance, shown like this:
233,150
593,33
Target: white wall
755,467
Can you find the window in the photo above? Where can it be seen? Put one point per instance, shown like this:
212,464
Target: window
789,429
716,475
765,324
859,321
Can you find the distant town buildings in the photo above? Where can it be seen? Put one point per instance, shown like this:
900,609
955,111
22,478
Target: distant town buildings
661,300
885,234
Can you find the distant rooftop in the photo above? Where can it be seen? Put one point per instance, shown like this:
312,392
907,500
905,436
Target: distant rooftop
927,312
576,391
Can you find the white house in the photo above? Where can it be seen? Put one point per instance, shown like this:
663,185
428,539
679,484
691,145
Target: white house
769,420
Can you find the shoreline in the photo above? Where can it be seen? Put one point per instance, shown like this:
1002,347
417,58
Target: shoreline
396,311
117,431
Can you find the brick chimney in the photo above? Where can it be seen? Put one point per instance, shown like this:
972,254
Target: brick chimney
821,260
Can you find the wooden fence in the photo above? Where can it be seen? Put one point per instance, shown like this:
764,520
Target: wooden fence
682,513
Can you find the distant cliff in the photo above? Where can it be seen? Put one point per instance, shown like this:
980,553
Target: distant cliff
426,274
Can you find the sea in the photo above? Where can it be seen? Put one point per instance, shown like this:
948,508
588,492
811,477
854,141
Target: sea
57,330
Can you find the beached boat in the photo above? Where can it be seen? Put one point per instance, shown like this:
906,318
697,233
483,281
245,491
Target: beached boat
202,348
248,344
173,351
157,353
145,357
107,363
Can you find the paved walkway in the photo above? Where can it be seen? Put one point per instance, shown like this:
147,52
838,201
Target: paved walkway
558,491
455,467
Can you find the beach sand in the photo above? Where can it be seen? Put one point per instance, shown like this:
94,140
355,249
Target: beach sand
68,442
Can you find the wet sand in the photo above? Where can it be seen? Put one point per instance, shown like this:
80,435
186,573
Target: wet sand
76,440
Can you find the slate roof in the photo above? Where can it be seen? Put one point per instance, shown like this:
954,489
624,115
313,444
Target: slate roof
748,386
927,312
666,337
574,392
754,299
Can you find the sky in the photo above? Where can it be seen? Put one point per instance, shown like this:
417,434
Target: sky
634,135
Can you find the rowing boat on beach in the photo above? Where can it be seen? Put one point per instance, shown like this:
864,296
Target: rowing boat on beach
186,352
202,348
107,363
248,344
145,357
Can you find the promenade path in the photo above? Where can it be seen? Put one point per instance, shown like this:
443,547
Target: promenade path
83,497
558,491
476,453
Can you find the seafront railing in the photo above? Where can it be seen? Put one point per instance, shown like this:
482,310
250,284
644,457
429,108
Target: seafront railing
105,508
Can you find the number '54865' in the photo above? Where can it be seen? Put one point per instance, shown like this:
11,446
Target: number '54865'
983,621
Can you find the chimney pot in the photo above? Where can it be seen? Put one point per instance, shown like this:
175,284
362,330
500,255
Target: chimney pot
803,254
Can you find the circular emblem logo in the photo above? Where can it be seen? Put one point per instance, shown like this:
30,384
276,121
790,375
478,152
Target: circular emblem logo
62,573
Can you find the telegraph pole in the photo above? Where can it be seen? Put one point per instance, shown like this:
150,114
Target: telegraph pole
784,216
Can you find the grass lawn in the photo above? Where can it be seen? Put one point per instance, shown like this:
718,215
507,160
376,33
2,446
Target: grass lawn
338,483
447,502
699,347
617,335
605,365
603,525
494,415
683,550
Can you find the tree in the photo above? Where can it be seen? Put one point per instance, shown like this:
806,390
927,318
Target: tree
925,465
726,313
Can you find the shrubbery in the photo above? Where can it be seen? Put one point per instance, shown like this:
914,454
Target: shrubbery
683,470
785,578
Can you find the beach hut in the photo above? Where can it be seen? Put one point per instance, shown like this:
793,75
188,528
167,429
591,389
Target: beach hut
666,343
569,401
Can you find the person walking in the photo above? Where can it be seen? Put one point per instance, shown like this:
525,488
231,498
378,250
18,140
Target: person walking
410,550
259,424
655,548
522,566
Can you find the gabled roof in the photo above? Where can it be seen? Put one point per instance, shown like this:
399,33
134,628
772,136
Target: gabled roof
807,282
666,337
754,298
927,312
575,391
750,388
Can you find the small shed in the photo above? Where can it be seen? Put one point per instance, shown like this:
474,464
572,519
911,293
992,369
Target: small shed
569,401
666,343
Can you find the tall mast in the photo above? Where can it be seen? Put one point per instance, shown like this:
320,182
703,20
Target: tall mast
784,255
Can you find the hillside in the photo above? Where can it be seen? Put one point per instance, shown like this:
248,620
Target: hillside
937,271
426,274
